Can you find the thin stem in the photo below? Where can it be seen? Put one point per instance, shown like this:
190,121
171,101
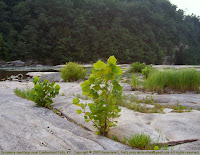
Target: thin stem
105,125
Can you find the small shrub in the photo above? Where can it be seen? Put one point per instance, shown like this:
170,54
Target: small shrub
147,70
43,92
21,93
103,87
137,67
72,72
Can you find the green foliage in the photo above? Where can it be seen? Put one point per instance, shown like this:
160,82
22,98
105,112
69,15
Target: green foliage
72,72
140,141
35,29
43,92
21,93
134,82
103,87
180,109
137,67
147,70
181,80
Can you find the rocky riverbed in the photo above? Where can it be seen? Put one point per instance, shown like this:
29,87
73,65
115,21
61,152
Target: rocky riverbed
27,127
23,126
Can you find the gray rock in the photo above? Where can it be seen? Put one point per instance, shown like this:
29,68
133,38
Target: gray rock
23,126
51,76
162,127
2,62
16,63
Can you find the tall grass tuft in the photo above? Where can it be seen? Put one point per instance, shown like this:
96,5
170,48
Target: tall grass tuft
134,82
181,80
140,141
21,93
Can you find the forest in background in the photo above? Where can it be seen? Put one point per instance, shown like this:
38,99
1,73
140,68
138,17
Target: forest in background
59,31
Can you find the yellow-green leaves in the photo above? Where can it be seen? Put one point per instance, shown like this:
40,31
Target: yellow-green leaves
103,87
76,101
99,65
36,79
112,60
86,87
92,79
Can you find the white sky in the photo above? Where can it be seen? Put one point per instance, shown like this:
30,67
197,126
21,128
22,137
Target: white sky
189,6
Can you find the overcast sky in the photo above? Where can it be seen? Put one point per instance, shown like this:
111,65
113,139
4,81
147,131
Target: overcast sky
189,6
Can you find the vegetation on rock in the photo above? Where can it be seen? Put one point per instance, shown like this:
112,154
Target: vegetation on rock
181,80
72,72
137,67
43,92
103,87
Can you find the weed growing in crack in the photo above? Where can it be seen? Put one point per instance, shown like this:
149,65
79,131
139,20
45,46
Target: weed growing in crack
21,93
142,141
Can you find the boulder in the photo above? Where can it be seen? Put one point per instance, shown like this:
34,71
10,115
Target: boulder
2,62
16,63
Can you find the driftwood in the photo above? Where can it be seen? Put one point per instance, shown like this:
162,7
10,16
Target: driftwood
173,143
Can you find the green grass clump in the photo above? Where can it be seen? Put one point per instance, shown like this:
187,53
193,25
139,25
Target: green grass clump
72,72
141,141
134,82
181,80
137,67
21,93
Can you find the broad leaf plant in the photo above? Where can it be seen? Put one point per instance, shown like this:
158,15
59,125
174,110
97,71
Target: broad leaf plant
104,88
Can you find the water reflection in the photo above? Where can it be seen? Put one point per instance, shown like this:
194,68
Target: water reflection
6,72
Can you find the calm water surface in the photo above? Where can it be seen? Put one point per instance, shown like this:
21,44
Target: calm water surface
9,71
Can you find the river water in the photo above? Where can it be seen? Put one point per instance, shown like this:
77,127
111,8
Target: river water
6,72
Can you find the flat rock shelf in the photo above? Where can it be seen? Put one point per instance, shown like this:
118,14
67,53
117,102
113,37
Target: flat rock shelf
27,127
23,126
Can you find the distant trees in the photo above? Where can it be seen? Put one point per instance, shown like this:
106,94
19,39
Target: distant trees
86,30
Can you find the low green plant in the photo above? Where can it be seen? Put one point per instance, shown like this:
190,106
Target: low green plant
134,82
103,87
147,70
137,67
72,72
43,92
82,97
180,109
21,93
141,141
181,80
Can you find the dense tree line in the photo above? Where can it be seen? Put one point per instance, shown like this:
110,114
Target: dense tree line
86,30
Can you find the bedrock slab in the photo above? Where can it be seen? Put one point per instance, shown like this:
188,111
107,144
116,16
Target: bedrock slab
23,126
161,127
165,127
189,99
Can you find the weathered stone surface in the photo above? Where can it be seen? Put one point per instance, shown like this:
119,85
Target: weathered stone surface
16,63
23,126
170,126
51,76
175,126
189,99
